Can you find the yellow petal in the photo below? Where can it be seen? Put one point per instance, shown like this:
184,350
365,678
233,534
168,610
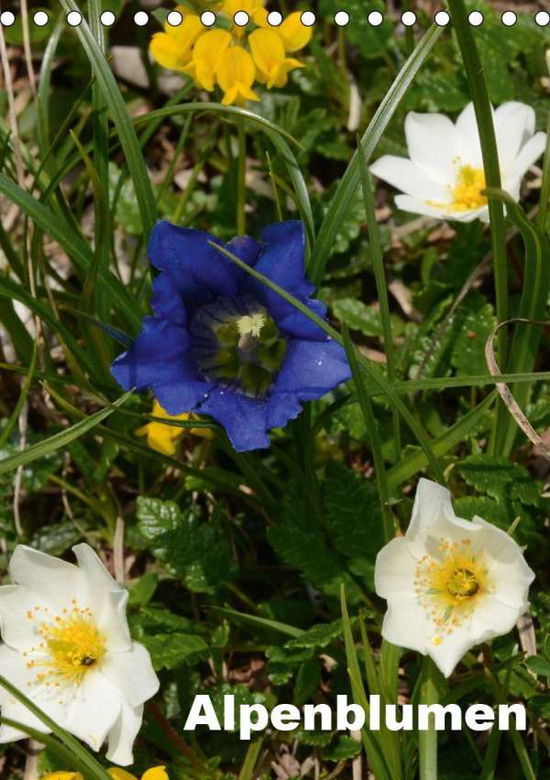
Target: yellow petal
172,48
155,773
160,437
235,75
269,56
63,776
293,33
207,54
120,774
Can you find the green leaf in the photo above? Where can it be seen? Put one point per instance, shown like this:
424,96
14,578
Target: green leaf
317,637
168,651
352,512
350,181
500,479
61,439
196,552
468,354
538,665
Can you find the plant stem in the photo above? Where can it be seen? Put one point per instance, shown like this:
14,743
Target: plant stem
377,259
427,740
241,178
491,167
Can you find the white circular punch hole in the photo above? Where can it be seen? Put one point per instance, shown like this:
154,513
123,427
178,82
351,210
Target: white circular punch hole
508,18
141,18
341,18
174,18
442,18
475,18
208,18
7,18
308,18
41,18
74,18
107,18
408,18
542,18
274,18
241,18
375,18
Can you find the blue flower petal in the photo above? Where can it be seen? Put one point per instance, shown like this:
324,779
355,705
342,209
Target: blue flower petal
283,257
243,418
167,302
297,324
199,271
159,360
283,261
282,407
245,248
312,368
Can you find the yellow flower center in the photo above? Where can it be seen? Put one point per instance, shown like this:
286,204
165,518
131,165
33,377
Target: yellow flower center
449,585
71,645
467,193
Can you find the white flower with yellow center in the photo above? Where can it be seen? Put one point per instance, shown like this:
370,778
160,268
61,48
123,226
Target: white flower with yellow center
443,176
449,583
67,647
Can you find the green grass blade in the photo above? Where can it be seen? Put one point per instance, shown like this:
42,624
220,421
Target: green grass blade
125,129
377,757
373,435
276,135
14,416
532,305
411,465
72,243
347,187
95,770
377,259
489,152
58,440
66,757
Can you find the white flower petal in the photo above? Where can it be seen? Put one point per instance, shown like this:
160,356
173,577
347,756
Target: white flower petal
404,175
19,713
106,598
528,155
452,649
432,143
406,624
468,135
123,734
395,568
414,205
94,709
15,603
132,674
514,125
14,668
50,578
432,508
493,618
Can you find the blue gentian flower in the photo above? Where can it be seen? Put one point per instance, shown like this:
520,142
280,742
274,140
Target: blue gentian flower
223,344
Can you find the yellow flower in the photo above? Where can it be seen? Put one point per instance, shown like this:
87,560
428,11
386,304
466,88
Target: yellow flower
63,776
156,773
208,57
269,55
232,56
164,438
235,75
172,48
